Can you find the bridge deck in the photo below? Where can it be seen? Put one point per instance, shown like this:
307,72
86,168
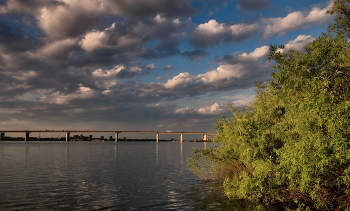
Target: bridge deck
100,131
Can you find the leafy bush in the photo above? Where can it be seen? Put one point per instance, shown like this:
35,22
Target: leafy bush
293,143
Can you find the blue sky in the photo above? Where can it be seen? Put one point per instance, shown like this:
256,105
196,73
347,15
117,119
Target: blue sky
142,64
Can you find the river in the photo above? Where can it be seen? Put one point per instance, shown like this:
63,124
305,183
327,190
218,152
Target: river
104,176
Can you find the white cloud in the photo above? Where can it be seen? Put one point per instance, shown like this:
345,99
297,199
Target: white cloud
240,100
237,70
106,92
211,29
240,31
150,66
300,42
212,32
109,73
243,68
105,57
258,53
92,41
294,21
213,109
182,78
111,38
107,85
159,19
186,110
222,72
168,67
60,98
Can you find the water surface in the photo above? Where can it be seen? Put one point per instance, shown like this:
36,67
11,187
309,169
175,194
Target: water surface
95,175
103,176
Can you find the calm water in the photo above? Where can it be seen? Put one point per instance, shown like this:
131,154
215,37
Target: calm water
103,176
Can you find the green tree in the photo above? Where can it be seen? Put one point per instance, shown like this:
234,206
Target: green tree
81,137
293,143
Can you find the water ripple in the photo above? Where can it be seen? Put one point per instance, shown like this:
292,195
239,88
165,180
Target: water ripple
96,176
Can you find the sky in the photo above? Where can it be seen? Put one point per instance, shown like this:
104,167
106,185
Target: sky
154,65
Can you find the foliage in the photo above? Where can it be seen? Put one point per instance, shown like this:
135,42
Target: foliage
341,12
293,143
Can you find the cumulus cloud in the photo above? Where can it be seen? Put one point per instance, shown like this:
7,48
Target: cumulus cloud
241,71
168,67
186,110
71,19
61,98
234,71
213,109
92,41
258,55
129,39
240,100
121,71
86,62
212,33
108,73
300,42
295,20
111,38
242,66
180,79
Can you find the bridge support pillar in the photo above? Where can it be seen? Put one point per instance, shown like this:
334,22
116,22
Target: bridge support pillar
181,135
157,137
26,138
116,137
2,136
67,136
205,137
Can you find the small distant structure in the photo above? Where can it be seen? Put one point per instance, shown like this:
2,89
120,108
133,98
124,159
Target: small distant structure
203,139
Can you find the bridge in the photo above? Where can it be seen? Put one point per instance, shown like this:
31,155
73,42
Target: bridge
116,133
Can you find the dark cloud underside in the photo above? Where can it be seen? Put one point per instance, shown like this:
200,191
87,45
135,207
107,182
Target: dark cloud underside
254,5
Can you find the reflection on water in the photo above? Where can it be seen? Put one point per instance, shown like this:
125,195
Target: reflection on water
209,196
102,175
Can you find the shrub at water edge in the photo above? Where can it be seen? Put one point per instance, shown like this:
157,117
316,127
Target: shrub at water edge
293,144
